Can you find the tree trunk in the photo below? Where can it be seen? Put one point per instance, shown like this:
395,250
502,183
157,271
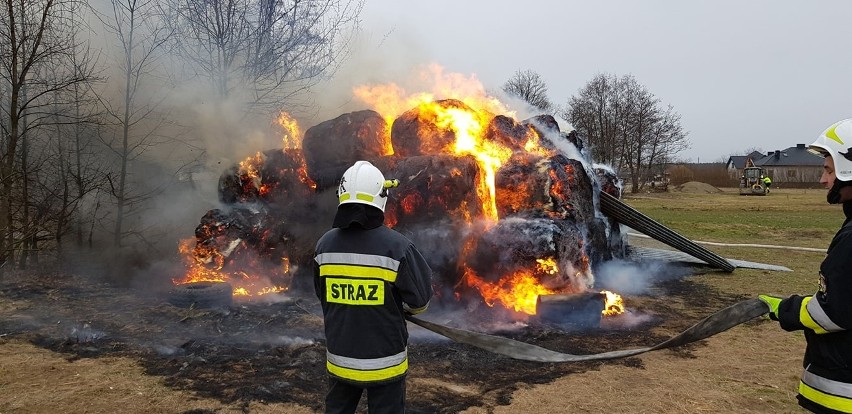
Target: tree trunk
6,170
25,187
125,131
78,150
34,256
63,174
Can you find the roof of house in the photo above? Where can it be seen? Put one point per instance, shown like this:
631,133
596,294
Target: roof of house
797,156
739,161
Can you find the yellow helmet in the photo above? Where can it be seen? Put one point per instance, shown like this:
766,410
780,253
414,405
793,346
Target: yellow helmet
836,141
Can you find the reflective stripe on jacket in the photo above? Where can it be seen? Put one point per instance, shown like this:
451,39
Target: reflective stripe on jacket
828,393
826,318
365,280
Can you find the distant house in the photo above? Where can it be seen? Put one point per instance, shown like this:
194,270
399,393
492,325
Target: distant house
736,163
791,167
794,165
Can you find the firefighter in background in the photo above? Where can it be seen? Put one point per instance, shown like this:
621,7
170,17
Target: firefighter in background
826,316
767,182
367,278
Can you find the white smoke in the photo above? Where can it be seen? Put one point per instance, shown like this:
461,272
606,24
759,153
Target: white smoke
634,278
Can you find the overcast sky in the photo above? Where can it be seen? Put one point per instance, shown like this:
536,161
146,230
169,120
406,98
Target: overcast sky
766,74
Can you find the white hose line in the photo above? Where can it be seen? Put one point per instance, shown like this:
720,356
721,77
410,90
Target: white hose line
766,246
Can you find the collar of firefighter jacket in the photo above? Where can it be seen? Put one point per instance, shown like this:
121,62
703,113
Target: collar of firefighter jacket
358,216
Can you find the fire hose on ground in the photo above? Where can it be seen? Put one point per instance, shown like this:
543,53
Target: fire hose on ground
718,322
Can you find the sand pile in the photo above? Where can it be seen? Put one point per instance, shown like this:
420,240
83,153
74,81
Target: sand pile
695,187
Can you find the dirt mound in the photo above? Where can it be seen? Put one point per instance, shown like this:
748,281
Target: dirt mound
695,187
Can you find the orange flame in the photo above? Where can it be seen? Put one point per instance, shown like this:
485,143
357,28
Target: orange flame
614,304
391,100
548,266
195,262
518,291
292,133
249,168
304,178
469,128
204,264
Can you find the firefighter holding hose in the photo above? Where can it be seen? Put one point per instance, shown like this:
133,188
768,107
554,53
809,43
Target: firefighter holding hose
826,316
367,277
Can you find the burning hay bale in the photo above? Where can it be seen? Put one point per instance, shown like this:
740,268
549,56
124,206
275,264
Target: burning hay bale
220,233
547,128
425,130
556,186
552,250
273,176
434,188
508,132
502,208
239,232
333,146
543,125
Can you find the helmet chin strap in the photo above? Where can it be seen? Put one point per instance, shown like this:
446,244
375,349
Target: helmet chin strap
834,196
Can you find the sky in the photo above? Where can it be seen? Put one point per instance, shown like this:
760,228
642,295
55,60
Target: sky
743,74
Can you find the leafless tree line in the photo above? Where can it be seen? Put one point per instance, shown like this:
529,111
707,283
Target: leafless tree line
625,125
530,87
266,51
80,128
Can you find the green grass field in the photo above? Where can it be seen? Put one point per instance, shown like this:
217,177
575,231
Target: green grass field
800,218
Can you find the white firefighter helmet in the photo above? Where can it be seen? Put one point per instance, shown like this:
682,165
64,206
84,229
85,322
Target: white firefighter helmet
363,183
836,141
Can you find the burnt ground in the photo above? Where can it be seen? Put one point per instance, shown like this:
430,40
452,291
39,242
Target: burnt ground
273,351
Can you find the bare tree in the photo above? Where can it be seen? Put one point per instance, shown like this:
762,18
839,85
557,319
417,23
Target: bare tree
529,86
626,126
82,168
141,33
263,53
77,170
52,152
35,35
594,113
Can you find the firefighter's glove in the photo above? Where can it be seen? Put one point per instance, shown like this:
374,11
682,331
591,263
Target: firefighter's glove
409,311
772,302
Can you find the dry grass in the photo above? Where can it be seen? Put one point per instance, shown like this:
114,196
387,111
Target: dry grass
751,369
34,380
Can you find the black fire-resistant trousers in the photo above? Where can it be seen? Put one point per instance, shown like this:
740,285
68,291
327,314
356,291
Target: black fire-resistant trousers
343,397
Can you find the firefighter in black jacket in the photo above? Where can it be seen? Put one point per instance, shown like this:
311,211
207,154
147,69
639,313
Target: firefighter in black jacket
826,316
367,277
